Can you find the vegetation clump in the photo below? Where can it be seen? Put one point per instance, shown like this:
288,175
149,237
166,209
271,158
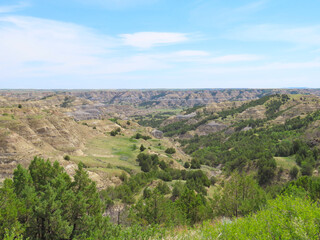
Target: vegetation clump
140,136
142,148
170,150
115,132
43,202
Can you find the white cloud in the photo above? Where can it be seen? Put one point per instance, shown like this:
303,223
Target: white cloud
204,57
12,8
33,48
308,35
251,7
222,13
270,67
146,40
117,4
192,53
235,58
38,47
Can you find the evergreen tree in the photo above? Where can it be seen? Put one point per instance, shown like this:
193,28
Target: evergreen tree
192,205
10,210
241,195
42,202
142,148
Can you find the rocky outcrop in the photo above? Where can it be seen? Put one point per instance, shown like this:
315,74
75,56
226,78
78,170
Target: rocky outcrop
157,133
211,127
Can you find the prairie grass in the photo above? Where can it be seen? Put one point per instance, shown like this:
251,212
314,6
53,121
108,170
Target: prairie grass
286,162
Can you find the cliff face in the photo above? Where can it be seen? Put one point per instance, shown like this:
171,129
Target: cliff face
28,132
181,98
151,98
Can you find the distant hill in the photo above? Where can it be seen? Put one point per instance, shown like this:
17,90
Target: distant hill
165,98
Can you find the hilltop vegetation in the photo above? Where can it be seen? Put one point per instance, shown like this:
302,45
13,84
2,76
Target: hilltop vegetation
257,144
43,202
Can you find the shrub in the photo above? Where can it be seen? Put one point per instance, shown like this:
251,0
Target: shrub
139,135
163,188
306,169
163,165
186,165
266,171
195,164
294,172
142,148
67,158
115,132
170,150
284,218
213,180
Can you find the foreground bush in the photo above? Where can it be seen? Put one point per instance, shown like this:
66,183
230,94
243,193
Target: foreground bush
43,202
286,217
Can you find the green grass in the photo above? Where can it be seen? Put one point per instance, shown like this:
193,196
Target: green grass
286,162
115,151
109,171
106,151
35,116
208,169
115,154
5,117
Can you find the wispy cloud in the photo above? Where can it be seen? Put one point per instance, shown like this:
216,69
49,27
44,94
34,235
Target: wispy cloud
192,53
204,57
117,4
271,67
34,47
146,40
235,58
308,35
250,7
216,13
38,47
13,8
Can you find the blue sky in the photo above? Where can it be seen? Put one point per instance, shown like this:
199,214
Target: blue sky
111,44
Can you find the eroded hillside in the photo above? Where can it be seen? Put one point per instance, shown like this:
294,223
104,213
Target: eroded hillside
45,128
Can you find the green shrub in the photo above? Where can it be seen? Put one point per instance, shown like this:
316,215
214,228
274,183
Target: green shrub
283,218
294,171
170,150
140,136
142,148
186,165
195,164
115,132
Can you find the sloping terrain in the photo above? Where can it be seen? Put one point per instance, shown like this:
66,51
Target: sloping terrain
43,128
27,132
271,136
231,115
56,124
